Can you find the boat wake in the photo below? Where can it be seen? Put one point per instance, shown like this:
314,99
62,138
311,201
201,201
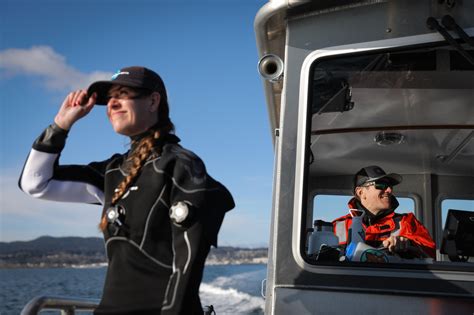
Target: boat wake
230,301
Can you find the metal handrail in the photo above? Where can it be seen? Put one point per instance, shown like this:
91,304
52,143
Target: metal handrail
67,305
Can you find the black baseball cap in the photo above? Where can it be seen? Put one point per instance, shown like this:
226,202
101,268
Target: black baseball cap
134,77
373,173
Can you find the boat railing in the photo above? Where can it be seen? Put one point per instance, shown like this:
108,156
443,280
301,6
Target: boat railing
66,305
69,305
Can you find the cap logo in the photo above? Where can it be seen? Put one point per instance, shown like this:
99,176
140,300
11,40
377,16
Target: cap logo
118,73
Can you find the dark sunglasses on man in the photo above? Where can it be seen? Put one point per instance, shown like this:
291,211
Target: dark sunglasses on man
379,185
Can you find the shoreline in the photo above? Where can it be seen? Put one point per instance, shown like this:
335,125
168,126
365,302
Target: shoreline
76,252
262,261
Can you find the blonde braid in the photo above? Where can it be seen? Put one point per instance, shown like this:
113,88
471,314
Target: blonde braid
138,159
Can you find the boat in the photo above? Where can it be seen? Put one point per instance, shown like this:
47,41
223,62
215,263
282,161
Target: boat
350,83
354,83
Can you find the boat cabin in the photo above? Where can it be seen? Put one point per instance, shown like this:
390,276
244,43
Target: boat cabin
350,84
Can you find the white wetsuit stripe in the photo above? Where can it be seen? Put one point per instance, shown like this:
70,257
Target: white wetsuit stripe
124,239
149,216
37,181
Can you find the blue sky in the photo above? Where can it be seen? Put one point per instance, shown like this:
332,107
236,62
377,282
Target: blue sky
206,53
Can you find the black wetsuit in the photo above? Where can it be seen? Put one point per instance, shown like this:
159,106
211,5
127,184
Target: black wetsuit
154,264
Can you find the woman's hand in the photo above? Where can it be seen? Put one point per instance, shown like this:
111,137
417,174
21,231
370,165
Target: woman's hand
396,244
75,106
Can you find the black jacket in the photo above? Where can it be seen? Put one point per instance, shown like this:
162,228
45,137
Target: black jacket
155,265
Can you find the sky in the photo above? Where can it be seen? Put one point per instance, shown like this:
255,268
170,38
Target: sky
205,52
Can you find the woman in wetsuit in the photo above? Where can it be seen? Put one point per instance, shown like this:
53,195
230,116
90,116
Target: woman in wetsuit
161,210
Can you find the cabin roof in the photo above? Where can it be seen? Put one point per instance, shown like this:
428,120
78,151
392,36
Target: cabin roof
270,30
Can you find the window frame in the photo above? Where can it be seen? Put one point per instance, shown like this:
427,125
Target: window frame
301,169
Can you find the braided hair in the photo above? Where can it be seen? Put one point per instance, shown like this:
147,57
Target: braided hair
143,149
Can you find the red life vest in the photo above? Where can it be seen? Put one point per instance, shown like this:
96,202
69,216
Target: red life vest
392,224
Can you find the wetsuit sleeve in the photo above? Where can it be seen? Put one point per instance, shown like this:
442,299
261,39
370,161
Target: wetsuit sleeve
414,230
207,201
42,176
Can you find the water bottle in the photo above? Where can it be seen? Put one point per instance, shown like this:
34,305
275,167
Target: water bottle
322,235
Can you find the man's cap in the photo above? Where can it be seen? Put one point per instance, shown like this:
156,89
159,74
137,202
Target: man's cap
134,77
373,173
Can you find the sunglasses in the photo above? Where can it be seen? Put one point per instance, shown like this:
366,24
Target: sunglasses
128,94
378,185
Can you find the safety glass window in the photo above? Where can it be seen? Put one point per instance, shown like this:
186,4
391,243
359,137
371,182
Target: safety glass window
406,111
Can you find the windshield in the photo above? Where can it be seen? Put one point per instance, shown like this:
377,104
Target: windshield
409,111
405,102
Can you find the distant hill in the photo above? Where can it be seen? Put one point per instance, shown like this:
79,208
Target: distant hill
45,244
47,251
236,255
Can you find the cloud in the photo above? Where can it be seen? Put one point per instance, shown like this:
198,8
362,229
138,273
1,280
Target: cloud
23,217
44,63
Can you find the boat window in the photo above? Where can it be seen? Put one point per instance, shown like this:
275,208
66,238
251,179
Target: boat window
457,209
329,207
455,204
408,111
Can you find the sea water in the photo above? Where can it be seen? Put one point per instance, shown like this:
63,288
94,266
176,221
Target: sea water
231,289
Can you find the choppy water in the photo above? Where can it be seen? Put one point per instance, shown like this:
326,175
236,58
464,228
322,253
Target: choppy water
231,289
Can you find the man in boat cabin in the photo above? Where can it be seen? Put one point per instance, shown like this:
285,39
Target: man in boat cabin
400,234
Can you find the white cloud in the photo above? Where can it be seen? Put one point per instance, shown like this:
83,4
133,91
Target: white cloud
23,217
51,67
242,226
